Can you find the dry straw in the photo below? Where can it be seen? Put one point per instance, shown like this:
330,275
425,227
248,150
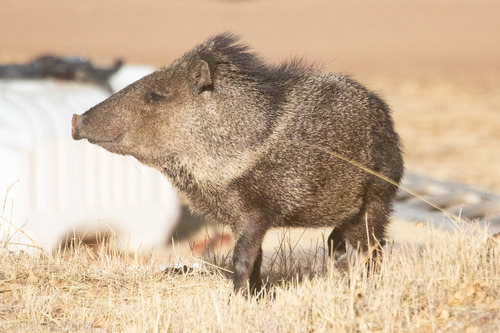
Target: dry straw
449,284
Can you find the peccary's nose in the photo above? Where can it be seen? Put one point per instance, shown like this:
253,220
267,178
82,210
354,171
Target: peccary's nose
75,132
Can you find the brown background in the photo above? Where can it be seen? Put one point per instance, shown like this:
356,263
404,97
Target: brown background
436,62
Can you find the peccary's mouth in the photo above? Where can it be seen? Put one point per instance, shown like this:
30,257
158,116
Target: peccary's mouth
115,145
105,141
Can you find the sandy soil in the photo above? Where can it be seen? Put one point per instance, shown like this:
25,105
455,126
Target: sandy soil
436,62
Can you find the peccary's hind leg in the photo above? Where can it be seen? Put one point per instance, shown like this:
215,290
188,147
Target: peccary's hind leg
368,232
336,243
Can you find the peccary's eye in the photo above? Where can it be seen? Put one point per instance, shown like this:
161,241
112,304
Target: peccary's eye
151,96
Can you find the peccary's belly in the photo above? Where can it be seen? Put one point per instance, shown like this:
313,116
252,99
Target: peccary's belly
320,212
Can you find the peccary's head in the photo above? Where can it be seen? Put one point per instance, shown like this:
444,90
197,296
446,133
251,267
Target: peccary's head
187,112
143,118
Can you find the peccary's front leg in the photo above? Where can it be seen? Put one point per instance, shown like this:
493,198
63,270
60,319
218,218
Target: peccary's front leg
247,259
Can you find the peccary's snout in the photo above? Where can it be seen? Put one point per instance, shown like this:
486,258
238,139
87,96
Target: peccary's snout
92,127
75,130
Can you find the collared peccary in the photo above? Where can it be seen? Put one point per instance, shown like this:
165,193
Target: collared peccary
247,145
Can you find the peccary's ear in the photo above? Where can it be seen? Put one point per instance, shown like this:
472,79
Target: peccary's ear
202,75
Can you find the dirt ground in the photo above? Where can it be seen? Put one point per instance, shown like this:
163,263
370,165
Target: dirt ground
437,63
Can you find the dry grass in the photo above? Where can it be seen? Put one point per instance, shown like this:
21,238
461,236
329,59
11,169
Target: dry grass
450,284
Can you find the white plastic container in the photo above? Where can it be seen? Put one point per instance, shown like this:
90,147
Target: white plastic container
54,185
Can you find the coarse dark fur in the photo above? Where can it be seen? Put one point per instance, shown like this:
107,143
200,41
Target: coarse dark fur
243,142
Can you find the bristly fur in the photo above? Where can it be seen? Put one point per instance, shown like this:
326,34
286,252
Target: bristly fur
245,143
231,57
